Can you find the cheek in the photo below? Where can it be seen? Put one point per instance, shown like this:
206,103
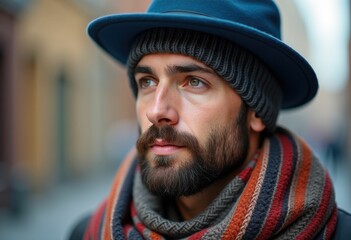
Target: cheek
141,117
200,120
203,119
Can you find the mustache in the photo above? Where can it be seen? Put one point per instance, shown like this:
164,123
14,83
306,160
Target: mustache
168,134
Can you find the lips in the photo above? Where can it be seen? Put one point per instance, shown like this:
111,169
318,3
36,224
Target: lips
163,148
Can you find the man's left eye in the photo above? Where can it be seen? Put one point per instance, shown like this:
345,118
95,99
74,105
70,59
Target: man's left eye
194,82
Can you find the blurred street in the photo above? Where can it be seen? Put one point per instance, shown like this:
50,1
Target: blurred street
52,215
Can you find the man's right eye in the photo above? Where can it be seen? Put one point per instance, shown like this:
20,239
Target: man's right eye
146,83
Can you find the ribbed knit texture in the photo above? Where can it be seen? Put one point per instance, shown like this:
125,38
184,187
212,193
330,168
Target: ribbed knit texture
242,70
285,193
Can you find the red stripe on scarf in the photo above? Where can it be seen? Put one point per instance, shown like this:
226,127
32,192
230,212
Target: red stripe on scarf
126,229
246,173
331,224
198,235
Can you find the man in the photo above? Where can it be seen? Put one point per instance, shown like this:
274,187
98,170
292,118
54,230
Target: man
210,78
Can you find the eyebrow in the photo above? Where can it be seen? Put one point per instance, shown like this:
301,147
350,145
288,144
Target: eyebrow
188,68
143,69
174,69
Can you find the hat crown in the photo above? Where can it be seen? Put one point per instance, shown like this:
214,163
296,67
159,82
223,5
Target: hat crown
262,15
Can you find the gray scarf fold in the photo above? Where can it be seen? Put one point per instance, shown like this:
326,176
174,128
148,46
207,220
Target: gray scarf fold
162,218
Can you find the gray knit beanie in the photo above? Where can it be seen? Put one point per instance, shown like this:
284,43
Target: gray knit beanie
242,70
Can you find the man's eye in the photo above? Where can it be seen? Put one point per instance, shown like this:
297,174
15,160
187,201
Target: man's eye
194,82
146,82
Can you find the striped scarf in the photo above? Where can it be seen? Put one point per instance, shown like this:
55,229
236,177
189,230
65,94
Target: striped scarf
284,193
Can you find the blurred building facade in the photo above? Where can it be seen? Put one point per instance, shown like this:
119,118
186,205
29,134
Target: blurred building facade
349,95
8,16
60,94
348,101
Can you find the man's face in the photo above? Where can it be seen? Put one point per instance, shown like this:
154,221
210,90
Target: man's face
194,127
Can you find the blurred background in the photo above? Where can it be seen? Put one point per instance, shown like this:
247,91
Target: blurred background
67,114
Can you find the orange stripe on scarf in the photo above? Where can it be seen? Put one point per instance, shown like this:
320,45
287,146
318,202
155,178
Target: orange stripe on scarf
115,191
249,195
301,185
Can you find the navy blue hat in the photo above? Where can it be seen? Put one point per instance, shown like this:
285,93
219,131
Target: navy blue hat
251,24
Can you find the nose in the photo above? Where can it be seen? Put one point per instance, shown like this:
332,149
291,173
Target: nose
163,109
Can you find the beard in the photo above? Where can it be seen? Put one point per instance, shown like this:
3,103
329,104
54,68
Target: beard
225,151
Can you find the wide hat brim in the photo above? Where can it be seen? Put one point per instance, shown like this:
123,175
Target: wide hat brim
116,34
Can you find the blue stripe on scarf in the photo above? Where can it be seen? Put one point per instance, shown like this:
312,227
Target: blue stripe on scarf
134,235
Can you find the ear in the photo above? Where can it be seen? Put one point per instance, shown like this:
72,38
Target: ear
255,122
